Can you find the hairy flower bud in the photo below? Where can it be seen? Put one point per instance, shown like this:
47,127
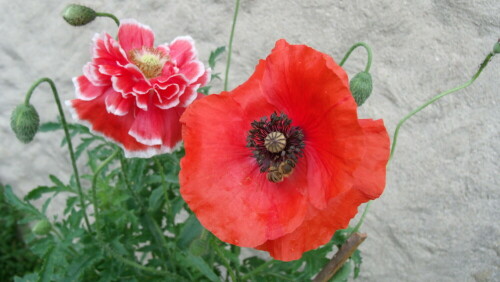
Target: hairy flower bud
361,87
496,47
78,15
42,227
24,121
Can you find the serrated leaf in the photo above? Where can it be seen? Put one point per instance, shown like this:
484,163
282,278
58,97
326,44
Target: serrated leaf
199,264
82,146
156,199
56,181
357,260
343,274
49,126
14,201
47,270
79,266
191,230
214,55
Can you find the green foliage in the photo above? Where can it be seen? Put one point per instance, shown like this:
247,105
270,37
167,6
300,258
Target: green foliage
15,257
140,227
214,56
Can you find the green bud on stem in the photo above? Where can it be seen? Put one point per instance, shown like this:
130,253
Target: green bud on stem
361,87
42,227
496,47
24,121
78,15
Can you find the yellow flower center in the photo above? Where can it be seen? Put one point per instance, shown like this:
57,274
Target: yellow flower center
149,60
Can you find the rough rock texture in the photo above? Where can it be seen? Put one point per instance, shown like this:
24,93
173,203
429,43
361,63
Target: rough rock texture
438,219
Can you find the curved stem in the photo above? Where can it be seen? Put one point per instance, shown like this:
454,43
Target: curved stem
368,50
230,47
435,98
108,15
68,139
362,219
226,264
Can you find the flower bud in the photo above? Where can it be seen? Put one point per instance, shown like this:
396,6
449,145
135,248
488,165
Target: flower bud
361,87
496,47
24,121
42,227
78,15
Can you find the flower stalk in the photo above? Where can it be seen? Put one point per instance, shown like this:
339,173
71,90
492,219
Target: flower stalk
230,47
68,139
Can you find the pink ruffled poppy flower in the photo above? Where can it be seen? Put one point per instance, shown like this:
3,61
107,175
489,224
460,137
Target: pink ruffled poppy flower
134,93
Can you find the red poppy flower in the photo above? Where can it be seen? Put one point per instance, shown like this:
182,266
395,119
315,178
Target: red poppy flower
134,93
282,162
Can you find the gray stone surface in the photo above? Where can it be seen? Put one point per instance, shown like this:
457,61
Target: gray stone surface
438,219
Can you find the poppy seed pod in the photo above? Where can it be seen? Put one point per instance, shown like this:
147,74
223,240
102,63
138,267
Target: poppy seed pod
496,47
361,87
42,227
78,15
24,121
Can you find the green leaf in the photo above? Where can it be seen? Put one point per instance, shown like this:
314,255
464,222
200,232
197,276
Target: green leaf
356,258
56,181
18,204
32,277
156,199
78,266
48,265
343,274
49,126
191,230
199,264
82,146
214,55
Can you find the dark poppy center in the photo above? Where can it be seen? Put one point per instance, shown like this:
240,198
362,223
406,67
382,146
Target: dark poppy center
276,145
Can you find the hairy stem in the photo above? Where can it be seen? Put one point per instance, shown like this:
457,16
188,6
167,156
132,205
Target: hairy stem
68,139
230,47
108,15
368,50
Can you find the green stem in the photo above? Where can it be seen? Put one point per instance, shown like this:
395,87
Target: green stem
368,50
435,98
151,222
224,261
94,189
108,15
412,113
170,218
230,47
68,139
257,270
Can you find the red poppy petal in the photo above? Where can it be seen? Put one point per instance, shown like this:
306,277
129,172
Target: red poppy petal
134,35
221,181
116,104
318,227
370,174
172,129
85,90
182,50
298,79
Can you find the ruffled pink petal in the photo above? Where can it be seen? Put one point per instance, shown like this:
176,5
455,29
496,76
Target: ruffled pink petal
188,97
167,98
182,50
85,90
106,51
91,71
142,100
116,104
192,70
204,79
126,79
134,35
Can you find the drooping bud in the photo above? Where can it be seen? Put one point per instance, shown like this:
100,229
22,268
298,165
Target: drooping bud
78,15
42,227
496,47
361,87
24,121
